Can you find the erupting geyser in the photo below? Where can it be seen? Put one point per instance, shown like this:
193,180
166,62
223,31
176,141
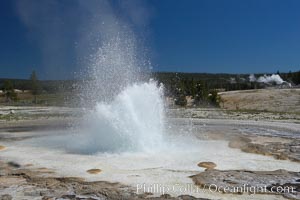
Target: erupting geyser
133,121
127,112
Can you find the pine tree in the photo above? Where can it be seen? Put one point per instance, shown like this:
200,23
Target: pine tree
34,85
9,91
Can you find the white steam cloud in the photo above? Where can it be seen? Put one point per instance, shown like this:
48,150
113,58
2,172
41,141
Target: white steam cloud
272,79
252,78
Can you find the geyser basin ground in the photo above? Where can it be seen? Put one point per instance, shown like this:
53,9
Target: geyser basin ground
170,166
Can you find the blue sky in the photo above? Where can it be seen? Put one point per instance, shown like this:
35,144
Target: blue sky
215,36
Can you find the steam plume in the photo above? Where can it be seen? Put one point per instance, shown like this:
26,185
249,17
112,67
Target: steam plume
274,78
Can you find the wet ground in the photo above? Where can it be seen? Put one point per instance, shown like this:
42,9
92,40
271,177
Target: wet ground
244,151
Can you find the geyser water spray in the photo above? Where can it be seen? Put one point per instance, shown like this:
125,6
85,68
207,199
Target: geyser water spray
133,121
127,112
123,108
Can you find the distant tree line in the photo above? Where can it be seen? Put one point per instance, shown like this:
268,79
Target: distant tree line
199,90
40,86
292,77
202,87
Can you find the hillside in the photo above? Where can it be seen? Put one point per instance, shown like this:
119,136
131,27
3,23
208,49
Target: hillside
275,100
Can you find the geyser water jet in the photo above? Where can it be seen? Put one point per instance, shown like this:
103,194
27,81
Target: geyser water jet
133,121
127,112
